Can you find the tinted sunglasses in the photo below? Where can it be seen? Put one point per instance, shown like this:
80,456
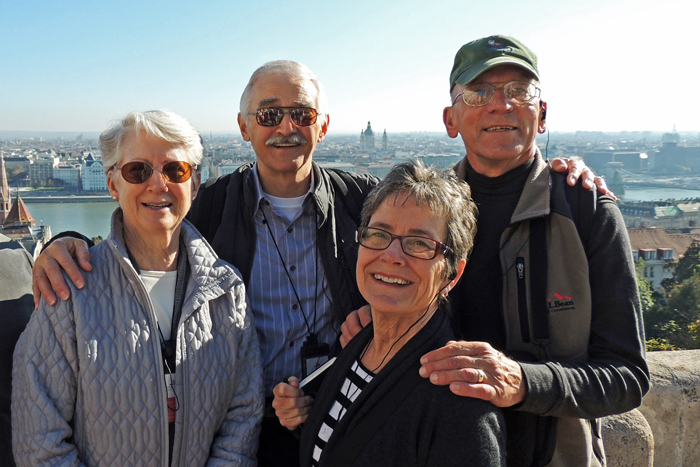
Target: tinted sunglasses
272,116
139,172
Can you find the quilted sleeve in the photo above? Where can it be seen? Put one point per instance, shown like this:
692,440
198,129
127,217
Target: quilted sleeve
44,388
236,442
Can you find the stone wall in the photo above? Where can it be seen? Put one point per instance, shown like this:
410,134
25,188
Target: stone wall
665,430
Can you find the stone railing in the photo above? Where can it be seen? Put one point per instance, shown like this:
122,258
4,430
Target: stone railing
665,430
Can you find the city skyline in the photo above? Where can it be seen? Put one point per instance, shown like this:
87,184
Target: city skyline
76,66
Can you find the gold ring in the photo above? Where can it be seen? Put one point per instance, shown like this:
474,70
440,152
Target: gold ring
482,376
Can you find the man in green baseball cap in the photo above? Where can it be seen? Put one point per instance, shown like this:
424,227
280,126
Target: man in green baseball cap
548,307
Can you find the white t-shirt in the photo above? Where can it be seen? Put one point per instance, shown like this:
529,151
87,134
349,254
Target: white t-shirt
160,285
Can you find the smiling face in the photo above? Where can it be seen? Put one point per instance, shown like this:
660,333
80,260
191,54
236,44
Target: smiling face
392,282
153,209
500,135
283,151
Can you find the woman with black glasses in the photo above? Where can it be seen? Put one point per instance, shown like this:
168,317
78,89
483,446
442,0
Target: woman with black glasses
155,361
373,408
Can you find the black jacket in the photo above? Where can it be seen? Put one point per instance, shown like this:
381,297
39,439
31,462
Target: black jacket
224,209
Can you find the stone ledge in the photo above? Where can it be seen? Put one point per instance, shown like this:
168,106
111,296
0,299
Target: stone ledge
672,407
663,432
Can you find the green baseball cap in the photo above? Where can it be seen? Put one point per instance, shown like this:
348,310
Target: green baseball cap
480,55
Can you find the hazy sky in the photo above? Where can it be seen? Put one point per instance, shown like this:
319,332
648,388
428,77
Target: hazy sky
608,65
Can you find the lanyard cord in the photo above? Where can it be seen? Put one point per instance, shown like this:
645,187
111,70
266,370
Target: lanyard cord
289,277
168,347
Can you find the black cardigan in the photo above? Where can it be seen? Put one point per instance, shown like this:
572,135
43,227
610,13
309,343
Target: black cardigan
401,419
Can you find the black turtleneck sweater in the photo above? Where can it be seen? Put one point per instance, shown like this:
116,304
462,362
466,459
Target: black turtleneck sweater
477,301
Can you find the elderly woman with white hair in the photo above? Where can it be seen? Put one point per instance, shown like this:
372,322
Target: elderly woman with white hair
155,361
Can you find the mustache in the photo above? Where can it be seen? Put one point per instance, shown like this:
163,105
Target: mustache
294,138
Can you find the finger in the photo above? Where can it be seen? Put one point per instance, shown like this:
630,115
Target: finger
587,177
293,381
575,169
461,375
291,404
41,287
82,255
292,422
47,276
36,292
476,391
350,328
603,187
284,390
365,314
559,165
453,349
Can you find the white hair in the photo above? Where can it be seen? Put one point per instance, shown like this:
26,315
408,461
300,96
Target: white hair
162,124
289,68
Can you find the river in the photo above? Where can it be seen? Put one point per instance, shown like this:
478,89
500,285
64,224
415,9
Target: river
651,194
92,219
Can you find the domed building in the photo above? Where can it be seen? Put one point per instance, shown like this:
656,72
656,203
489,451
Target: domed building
367,138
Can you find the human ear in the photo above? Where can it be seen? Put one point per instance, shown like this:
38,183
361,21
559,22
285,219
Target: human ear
244,127
450,124
542,125
324,129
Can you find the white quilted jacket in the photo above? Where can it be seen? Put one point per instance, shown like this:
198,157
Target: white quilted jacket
88,373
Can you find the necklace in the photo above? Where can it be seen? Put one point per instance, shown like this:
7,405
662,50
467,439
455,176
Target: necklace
349,397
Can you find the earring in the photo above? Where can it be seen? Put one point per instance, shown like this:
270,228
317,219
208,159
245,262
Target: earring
114,198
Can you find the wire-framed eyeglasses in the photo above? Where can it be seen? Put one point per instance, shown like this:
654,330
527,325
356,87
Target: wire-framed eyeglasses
272,116
413,245
477,95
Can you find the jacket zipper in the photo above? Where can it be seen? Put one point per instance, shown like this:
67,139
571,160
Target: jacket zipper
522,299
160,367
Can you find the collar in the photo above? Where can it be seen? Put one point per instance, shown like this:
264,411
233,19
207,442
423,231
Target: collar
257,186
319,191
534,201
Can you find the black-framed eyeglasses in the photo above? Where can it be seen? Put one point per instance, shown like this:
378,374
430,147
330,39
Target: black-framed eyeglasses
138,172
272,116
413,245
477,95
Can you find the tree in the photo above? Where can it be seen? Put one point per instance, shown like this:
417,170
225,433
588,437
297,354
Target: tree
686,267
678,321
653,313
647,295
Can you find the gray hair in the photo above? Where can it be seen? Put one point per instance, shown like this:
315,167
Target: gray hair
162,124
292,69
445,195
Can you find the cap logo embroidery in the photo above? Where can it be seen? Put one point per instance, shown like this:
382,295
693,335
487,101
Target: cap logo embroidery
499,47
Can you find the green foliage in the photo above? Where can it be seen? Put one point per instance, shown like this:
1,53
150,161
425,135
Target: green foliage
658,344
678,321
694,329
683,269
97,239
648,296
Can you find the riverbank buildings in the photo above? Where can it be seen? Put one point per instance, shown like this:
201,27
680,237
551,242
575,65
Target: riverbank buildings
16,223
